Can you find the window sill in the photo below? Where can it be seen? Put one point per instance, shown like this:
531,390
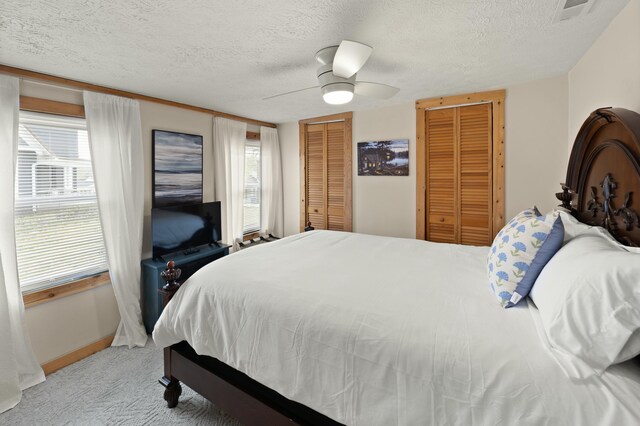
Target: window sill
48,294
250,235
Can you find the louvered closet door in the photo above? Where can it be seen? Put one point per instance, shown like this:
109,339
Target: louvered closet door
441,175
474,171
316,178
459,175
327,185
335,176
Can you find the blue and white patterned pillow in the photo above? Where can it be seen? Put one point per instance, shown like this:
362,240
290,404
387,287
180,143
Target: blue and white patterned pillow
520,251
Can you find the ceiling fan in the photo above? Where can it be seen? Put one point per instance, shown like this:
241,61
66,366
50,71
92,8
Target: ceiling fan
337,75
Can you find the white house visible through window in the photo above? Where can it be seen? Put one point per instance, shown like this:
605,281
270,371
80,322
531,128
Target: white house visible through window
58,232
252,187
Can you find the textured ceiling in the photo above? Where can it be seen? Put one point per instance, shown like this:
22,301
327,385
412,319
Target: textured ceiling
228,55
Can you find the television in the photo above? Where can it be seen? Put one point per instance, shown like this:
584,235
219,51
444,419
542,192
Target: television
185,228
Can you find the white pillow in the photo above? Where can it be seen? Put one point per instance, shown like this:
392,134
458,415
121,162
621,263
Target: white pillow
588,296
572,226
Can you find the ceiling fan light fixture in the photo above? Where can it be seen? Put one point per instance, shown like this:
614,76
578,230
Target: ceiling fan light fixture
337,93
338,97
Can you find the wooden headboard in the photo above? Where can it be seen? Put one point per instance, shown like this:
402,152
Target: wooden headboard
603,178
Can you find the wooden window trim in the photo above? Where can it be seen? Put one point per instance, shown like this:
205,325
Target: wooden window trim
37,76
347,117
46,106
37,297
497,98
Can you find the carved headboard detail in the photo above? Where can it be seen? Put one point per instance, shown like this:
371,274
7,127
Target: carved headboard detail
603,178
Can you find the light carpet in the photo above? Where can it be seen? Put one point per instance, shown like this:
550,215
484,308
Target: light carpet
117,386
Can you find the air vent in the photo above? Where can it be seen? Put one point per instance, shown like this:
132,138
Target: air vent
571,9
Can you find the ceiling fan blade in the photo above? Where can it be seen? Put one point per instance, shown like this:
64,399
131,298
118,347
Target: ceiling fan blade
375,90
289,93
350,57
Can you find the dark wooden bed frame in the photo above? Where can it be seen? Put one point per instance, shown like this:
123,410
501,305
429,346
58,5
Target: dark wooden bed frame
603,178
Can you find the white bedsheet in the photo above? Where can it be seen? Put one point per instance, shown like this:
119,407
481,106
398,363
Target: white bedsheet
385,331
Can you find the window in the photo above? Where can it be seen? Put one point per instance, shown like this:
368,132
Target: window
252,187
58,232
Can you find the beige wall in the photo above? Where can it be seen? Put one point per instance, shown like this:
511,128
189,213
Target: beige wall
609,73
69,323
385,205
290,151
535,144
64,325
535,150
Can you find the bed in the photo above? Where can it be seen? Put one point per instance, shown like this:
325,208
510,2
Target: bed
338,328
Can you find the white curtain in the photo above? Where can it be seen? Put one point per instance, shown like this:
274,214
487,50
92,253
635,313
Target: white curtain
229,139
272,217
115,140
19,368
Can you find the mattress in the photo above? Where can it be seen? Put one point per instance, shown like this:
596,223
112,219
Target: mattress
374,330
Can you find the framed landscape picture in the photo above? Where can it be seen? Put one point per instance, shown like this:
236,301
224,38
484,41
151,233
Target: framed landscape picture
177,168
383,158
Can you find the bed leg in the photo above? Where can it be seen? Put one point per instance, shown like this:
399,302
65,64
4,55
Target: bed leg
172,388
172,391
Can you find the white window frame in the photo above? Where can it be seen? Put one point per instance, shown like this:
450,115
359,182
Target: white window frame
256,144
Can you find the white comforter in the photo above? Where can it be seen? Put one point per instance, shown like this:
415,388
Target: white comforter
386,331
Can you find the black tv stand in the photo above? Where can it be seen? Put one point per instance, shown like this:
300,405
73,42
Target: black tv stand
214,243
189,251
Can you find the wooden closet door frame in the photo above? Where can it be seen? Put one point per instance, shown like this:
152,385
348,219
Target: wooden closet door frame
496,98
347,117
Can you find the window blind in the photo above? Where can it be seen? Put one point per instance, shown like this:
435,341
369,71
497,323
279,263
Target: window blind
252,187
58,232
